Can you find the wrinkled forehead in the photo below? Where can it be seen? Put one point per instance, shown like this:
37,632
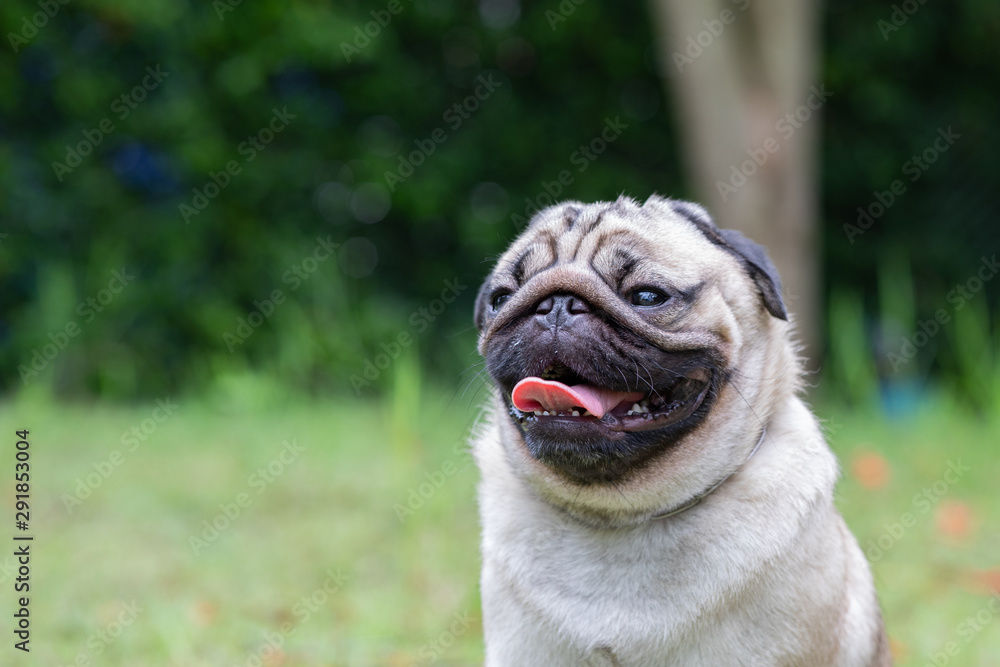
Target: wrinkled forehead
615,239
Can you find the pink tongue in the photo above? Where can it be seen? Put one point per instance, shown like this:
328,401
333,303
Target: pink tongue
533,393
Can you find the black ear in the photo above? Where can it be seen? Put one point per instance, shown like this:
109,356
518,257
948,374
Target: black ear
752,256
761,269
479,312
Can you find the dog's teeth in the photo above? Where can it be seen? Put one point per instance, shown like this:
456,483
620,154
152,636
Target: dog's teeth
576,413
636,408
538,412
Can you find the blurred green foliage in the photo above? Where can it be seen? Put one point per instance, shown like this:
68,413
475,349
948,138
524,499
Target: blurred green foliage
365,103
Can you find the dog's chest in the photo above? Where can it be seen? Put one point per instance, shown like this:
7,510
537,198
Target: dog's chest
646,596
621,599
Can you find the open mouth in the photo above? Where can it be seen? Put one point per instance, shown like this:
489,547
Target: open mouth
560,395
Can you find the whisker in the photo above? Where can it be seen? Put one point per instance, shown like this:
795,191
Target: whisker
637,378
459,332
475,377
455,396
622,494
651,388
732,381
623,376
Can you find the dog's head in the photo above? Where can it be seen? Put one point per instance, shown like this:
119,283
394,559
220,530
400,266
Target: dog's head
637,349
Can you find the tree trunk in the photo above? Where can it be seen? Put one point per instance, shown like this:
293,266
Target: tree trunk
739,72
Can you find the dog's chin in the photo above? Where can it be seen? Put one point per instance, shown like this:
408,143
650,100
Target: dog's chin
584,449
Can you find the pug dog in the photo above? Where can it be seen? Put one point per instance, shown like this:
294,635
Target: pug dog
654,492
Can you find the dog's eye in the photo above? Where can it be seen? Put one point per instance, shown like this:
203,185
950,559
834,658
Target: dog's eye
647,297
499,299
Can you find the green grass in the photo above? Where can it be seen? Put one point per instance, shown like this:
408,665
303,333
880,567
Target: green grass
943,568
333,509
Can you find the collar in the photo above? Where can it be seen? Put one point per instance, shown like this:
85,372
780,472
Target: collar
697,499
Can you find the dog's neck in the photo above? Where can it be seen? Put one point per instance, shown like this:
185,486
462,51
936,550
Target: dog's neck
697,499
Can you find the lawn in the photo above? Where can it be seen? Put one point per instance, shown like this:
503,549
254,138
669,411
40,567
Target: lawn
345,532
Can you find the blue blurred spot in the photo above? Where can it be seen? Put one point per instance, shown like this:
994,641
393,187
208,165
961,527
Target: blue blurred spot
90,37
143,169
303,88
901,398
37,65
294,81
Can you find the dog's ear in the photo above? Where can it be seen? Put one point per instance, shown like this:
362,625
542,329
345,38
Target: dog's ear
479,312
752,256
762,270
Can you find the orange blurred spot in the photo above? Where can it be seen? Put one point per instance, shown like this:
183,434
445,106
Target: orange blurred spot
990,580
400,660
899,650
871,470
203,613
954,519
274,658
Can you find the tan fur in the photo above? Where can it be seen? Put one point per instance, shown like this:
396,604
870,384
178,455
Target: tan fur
761,572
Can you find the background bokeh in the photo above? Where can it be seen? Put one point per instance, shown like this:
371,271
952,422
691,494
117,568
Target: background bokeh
303,290
225,70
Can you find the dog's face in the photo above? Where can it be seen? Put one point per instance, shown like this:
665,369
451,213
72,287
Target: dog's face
630,346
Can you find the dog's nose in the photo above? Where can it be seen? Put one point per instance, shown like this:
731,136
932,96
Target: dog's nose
559,310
